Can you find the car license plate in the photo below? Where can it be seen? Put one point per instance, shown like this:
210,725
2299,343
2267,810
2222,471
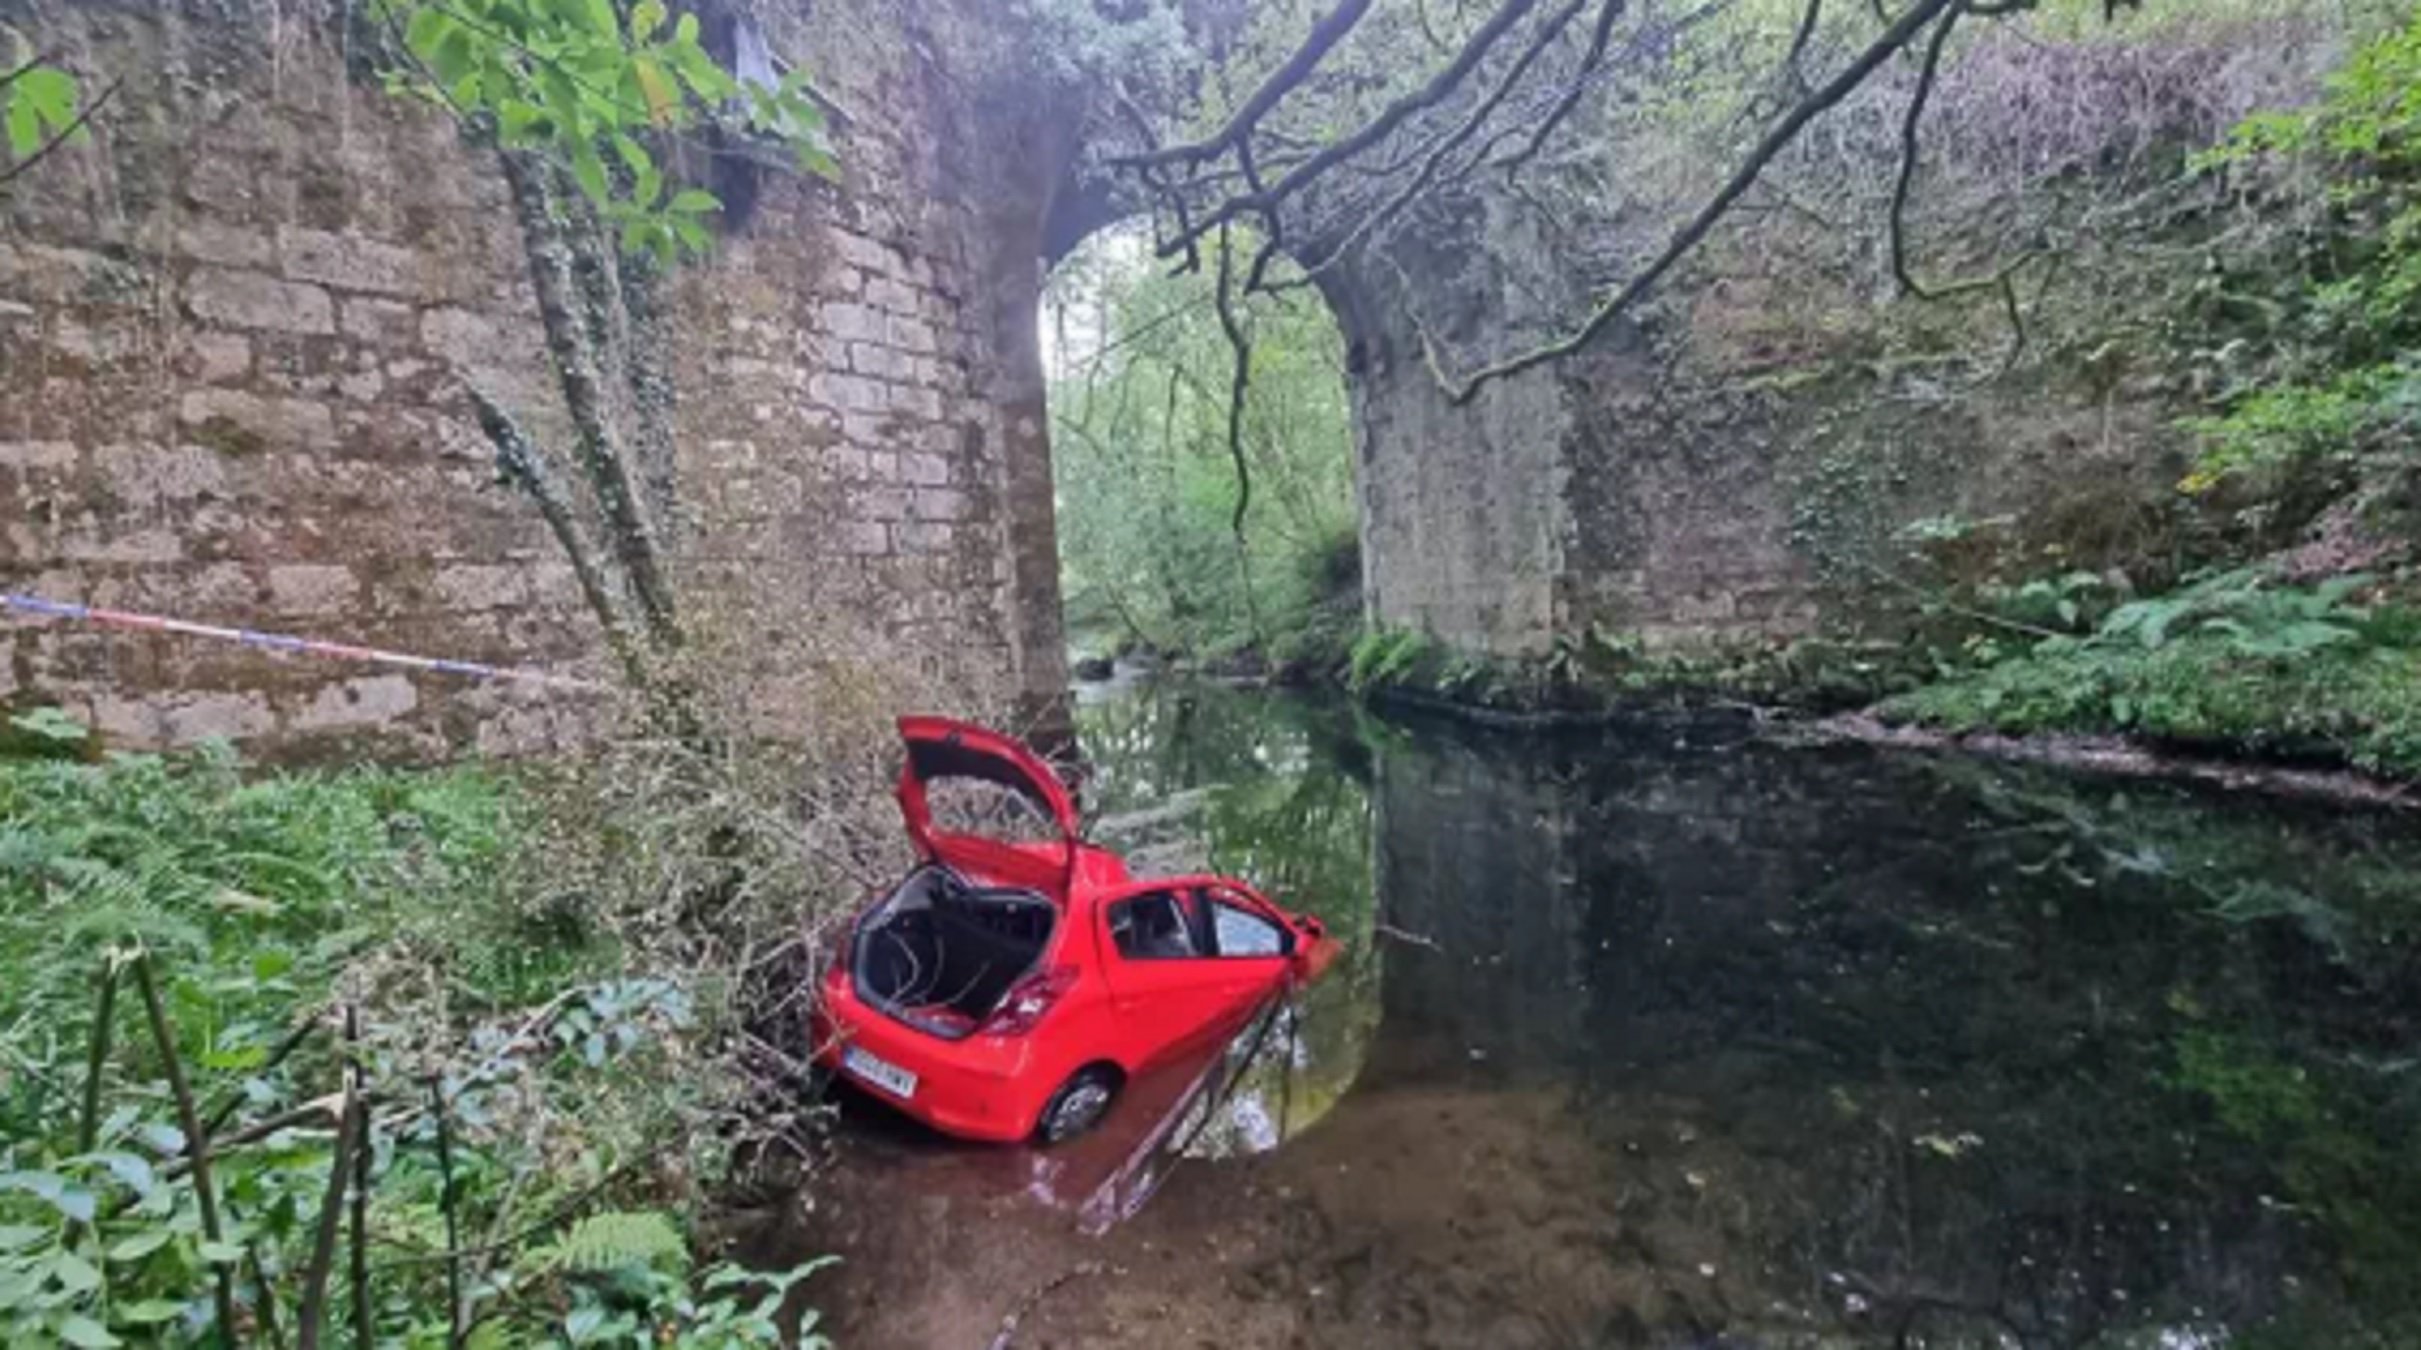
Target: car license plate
889,1077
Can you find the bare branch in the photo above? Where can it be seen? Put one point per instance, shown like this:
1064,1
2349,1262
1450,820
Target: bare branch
1579,86
1445,147
197,1141
1324,35
1899,35
1377,129
1239,381
331,1212
2003,280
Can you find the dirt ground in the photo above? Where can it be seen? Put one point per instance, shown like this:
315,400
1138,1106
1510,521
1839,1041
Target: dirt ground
1422,1216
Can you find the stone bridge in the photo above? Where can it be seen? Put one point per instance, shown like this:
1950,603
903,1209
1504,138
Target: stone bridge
233,334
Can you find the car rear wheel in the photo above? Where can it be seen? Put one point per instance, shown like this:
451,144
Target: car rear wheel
1079,1104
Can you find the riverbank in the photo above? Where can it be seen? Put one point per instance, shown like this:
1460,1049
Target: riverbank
2236,677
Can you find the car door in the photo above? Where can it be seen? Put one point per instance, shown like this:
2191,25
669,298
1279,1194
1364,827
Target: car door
1169,987
1252,944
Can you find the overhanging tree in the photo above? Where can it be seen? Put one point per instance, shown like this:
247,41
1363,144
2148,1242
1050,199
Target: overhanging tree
590,107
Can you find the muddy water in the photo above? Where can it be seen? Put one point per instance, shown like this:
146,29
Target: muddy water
1667,1036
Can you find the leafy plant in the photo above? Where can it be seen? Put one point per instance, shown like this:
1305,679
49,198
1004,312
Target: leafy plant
2257,618
528,1077
1384,656
38,100
2343,378
1148,493
2233,659
602,88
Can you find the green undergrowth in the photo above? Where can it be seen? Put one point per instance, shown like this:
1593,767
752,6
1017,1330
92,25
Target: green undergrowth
2232,662
292,924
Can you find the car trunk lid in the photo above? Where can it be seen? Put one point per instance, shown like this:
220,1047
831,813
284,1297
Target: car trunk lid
944,755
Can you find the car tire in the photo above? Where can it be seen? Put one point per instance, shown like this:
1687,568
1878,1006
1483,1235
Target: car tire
1078,1105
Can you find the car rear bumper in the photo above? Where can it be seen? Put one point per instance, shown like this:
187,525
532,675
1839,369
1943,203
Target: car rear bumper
983,1087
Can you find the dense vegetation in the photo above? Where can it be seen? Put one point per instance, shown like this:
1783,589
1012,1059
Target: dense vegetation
2294,627
446,1102
1167,541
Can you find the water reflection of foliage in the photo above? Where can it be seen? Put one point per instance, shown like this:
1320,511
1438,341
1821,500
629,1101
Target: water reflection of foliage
1282,807
1986,1053
2301,1039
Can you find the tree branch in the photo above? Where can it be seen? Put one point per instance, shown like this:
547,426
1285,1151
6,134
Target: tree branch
1325,35
1899,35
1370,133
1239,381
1589,62
197,1141
1446,145
2003,280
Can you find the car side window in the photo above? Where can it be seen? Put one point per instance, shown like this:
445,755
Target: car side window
1238,931
1153,927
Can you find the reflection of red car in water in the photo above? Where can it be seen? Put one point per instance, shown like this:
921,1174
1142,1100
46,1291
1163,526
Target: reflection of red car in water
1009,987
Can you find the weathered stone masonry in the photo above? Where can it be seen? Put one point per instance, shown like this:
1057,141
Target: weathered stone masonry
233,334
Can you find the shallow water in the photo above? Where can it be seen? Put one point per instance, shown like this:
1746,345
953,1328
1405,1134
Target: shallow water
1664,1035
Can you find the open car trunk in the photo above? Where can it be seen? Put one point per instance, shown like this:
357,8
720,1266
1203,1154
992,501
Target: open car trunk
941,953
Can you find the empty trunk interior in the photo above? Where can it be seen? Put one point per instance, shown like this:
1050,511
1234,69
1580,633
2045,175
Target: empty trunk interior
940,954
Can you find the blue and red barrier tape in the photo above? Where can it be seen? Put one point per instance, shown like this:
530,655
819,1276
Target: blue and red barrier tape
282,642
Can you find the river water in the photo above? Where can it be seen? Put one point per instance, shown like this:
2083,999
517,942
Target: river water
1666,1034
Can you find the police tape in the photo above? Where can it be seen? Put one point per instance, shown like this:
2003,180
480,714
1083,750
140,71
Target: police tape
285,643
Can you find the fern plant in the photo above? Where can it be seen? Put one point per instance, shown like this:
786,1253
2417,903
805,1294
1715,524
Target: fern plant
617,1240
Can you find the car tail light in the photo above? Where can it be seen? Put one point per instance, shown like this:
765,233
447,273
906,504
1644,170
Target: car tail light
1028,999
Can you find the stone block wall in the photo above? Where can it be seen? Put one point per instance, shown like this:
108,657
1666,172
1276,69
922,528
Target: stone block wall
235,331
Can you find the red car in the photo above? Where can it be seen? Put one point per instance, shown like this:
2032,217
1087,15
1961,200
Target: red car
1010,986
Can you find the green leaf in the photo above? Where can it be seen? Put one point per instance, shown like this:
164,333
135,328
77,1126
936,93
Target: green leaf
646,183
645,18
147,1312
589,172
581,1323
75,1274
72,1201
220,1253
694,202
140,1245
24,128
428,27
51,93
85,1334
601,18
134,1171
663,100
19,1236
